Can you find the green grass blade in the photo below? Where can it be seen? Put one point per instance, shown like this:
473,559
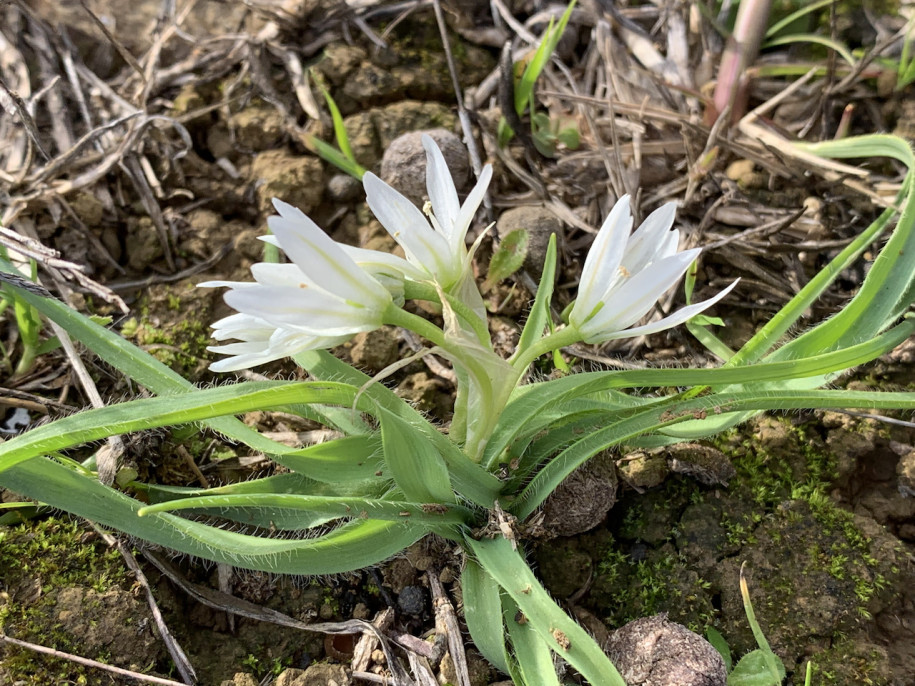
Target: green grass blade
539,317
533,400
148,413
417,467
352,546
483,613
339,128
468,478
525,88
330,154
327,507
561,633
836,46
788,20
676,409
535,659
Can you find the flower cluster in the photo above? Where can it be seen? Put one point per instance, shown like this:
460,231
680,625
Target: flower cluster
330,291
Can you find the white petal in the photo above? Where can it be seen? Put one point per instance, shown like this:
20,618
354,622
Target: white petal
625,305
306,310
440,185
602,263
424,247
470,207
225,284
650,241
670,321
377,262
280,274
242,326
322,259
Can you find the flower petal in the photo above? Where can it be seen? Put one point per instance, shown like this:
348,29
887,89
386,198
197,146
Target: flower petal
305,310
633,299
321,258
471,205
377,262
651,241
440,186
601,267
425,248
679,317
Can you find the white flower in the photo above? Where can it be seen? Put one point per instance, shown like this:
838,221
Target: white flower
625,275
261,342
318,301
437,252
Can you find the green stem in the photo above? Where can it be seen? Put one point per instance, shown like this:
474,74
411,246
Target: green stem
524,358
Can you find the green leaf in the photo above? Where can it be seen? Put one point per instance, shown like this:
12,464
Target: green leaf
330,154
509,256
352,546
469,479
539,316
483,613
752,670
276,518
560,632
316,510
713,636
339,127
525,88
148,413
417,467
532,652
569,137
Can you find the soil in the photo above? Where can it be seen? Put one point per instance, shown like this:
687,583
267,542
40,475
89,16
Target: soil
819,506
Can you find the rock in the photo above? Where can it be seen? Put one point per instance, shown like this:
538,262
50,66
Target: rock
583,500
644,469
290,677
745,174
240,679
143,244
905,469
403,165
323,674
425,393
410,115
412,601
375,350
258,128
344,188
564,567
291,178
371,83
653,651
703,463
540,223
339,60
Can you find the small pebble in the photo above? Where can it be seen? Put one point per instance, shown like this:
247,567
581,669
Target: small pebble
412,601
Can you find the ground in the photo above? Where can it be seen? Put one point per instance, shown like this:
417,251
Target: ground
817,504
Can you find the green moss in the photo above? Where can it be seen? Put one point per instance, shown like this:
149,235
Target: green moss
173,326
36,560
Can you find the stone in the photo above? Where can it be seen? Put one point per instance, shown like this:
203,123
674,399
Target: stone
540,223
294,179
653,651
403,165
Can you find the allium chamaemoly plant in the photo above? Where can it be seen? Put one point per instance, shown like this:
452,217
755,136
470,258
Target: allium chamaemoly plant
393,477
